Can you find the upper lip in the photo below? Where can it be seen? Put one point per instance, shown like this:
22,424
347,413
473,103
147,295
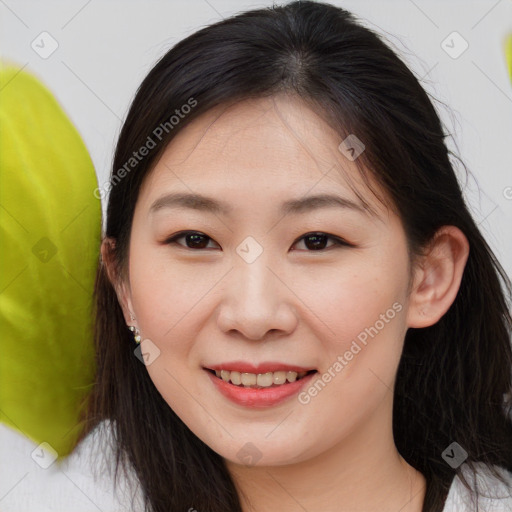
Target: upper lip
269,366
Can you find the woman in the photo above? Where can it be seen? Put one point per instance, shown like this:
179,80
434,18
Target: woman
295,308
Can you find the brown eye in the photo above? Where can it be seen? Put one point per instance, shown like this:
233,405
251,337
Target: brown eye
193,239
318,241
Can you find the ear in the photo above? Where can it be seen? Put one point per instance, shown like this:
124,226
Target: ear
437,277
121,287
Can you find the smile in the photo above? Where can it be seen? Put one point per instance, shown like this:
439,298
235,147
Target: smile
258,386
260,380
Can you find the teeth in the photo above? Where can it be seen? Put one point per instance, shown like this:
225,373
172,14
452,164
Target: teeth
265,380
236,378
262,380
291,376
279,377
248,379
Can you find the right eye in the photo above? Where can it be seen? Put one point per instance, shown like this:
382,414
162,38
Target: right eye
193,239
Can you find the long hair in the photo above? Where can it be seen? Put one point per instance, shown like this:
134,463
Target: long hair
454,378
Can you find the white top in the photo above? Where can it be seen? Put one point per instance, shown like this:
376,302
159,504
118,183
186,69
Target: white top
32,480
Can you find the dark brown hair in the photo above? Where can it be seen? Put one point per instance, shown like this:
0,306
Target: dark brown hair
453,377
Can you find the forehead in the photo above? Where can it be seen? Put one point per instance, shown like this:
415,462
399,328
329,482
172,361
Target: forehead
276,146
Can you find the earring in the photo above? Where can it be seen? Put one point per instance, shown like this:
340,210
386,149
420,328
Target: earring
136,335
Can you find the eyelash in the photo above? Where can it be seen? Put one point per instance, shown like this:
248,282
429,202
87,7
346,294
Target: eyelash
337,240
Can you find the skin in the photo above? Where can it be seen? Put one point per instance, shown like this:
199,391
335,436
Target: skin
293,304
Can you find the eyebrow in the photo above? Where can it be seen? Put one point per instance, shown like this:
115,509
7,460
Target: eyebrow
292,206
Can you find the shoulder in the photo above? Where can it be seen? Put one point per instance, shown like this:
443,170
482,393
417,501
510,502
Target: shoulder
83,481
493,494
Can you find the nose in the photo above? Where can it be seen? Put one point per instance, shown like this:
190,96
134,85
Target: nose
257,302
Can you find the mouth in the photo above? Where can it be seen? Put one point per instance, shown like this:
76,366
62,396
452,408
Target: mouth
271,379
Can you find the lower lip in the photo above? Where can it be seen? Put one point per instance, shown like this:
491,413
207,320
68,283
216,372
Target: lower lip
259,397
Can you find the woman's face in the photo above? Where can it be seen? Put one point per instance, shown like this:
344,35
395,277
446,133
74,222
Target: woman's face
248,293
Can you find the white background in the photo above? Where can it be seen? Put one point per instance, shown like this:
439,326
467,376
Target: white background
106,48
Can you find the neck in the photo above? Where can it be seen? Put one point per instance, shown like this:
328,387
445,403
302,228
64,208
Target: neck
364,471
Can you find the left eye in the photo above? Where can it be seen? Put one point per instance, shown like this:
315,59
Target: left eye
315,241
318,241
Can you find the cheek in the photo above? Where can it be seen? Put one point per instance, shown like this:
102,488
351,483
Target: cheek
166,298
355,300
365,313
165,294
361,309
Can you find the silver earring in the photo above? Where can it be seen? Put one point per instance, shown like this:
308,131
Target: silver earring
136,333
